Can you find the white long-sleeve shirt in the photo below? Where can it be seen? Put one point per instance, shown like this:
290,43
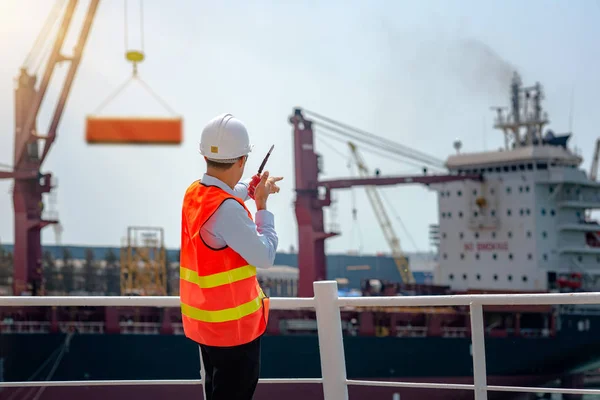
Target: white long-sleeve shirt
230,226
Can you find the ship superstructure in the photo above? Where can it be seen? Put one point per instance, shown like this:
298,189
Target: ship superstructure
523,227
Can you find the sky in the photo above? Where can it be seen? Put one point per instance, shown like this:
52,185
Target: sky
420,73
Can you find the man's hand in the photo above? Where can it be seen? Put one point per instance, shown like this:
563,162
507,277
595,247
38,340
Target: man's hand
273,188
264,188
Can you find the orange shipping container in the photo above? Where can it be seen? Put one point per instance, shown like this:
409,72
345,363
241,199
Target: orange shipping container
133,130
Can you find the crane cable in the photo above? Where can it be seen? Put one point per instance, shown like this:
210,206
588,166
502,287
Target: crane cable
135,57
390,155
374,140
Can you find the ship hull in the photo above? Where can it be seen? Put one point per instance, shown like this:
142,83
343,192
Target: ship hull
510,361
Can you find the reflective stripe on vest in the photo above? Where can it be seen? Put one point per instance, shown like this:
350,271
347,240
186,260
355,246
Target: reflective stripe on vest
219,279
229,314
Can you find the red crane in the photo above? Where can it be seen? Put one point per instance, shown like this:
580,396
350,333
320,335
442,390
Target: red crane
309,203
29,182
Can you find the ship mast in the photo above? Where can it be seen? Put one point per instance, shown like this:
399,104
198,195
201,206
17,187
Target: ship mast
526,119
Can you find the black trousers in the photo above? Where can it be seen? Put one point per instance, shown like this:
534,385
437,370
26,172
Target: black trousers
231,373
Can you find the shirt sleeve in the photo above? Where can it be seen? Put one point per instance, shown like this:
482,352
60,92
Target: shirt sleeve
256,243
241,189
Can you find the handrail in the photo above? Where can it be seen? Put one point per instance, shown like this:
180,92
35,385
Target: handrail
328,306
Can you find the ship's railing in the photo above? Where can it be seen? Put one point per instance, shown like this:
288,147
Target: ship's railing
327,305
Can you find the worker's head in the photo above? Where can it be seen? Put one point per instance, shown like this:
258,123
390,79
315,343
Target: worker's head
225,145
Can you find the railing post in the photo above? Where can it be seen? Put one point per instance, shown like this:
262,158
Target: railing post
331,341
478,346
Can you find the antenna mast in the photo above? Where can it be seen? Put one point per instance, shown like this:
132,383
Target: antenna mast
525,115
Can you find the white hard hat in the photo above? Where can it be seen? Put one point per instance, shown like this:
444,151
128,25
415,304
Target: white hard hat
225,139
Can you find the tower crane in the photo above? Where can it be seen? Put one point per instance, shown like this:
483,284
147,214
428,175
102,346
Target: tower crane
384,221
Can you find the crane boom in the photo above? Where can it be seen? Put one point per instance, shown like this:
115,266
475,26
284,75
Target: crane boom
384,221
29,183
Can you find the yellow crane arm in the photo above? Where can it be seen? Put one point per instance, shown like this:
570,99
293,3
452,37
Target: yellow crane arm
384,221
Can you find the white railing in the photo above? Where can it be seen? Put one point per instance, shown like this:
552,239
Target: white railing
327,305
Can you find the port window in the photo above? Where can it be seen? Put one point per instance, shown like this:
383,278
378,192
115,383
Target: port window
543,211
495,277
493,213
449,215
478,277
520,189
459,193
477,256
492,191
551,190
494,256
474,192
493,235
528,234
462,256
445,256
451,277
508,212
544,234
465,277
521,211
444,235
475,213
527,189
528,211
509,234
524,278
545,256
510,256
443,215
460,214
510,278
598,259
461,235
448,193
476,235
508,189
579,258
529,256
552,212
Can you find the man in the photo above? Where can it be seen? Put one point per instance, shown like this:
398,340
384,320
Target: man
223,308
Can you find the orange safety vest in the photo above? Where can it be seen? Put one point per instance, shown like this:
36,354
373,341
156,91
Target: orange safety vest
222,303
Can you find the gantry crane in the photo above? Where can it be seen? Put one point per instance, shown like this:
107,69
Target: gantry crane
29,182
384,221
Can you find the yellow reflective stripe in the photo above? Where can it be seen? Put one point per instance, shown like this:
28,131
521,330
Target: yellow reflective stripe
221,278
228,314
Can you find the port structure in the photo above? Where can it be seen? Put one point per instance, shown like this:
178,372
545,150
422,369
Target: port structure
32,146
143,262
313,195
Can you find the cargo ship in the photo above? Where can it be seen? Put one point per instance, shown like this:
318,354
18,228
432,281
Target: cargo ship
515,220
